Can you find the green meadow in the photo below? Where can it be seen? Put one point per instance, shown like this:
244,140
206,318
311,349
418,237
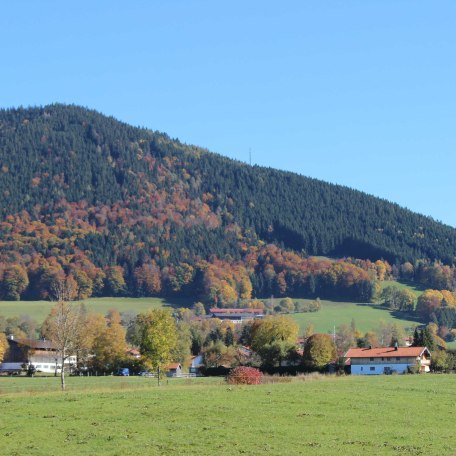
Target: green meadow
414,287
40,309
309,415
366,316
334,313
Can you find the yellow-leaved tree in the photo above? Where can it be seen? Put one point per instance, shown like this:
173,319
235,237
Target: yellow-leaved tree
3,346
157,338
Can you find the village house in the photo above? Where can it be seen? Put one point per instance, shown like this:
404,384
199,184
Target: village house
235,315
41,354
387,360
174,370
196,364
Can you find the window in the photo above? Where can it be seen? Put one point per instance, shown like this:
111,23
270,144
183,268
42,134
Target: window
383,359
371,359
372,368
361,368
397,358
388,359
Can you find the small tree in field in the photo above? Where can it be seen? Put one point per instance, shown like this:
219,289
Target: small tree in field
157,337
64,324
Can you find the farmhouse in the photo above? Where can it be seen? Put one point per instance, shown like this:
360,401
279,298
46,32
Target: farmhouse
174,370
41,354
386,360
235,315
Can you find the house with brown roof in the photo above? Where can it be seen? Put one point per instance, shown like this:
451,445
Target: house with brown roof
387,360
41,354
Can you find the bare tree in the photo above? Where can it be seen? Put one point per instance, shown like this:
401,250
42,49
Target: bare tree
64,324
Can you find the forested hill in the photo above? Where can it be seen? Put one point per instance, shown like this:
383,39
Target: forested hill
79,190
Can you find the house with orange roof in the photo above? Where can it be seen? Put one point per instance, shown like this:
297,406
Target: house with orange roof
387,360
174,370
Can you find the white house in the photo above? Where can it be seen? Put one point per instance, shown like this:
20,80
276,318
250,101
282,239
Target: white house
386,360
236,316
42,354
196,364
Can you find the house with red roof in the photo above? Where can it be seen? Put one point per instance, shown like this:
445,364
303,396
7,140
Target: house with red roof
387,360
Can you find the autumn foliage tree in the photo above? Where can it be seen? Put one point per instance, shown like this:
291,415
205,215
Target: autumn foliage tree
3,346
319,350
109,345
273,338
157,337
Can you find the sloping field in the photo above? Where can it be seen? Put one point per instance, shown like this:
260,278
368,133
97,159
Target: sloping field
40,309
345,415
333,313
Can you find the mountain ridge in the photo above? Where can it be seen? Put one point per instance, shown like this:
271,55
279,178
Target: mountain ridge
79,187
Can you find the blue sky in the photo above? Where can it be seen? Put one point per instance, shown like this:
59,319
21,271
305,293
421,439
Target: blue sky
361,93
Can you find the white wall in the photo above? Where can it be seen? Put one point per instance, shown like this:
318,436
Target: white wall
365,369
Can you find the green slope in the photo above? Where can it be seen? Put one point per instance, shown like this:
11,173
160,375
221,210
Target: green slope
39,309
332,313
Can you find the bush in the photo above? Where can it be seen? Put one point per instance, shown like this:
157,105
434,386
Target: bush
245,376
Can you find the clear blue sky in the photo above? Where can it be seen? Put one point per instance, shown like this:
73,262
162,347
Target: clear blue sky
361,93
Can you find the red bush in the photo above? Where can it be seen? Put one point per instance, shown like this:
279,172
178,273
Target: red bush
245,376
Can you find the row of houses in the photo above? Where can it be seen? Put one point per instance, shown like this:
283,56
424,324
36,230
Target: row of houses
43,356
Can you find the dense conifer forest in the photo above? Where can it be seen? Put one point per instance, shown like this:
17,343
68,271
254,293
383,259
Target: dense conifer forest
128,211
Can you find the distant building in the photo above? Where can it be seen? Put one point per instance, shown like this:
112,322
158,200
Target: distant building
235,315
196,364
386,360
41,354
174,370
134,353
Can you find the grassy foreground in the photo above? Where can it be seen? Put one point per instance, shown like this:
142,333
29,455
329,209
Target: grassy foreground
349,415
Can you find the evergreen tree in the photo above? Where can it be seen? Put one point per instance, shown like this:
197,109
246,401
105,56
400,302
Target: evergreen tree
229,337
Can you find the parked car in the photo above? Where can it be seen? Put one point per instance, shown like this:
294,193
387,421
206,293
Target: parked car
145,373
123,372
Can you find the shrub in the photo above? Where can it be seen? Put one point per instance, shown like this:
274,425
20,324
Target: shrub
245,376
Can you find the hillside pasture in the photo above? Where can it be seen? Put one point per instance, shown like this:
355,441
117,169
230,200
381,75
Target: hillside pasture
366,316
334,313
415,288
318,415
38,310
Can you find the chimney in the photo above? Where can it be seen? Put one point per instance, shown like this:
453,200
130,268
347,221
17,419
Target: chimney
11,337
395,346
370,347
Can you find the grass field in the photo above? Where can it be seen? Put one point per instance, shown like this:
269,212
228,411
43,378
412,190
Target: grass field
118,416
335,313
40,309
332,313
414,287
